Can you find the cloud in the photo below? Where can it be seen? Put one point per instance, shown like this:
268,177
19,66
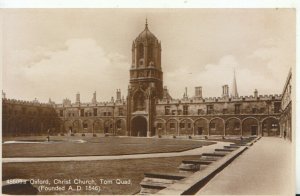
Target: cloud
81,66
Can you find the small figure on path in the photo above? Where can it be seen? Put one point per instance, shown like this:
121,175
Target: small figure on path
48,137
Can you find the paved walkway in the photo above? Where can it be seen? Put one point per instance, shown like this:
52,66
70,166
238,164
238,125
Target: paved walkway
196,151
266,168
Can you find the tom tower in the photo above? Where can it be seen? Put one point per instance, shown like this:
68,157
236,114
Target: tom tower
145,85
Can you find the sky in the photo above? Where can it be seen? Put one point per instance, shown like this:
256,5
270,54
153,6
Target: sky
55,53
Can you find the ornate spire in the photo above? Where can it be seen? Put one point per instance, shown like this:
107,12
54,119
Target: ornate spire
234,92
146,25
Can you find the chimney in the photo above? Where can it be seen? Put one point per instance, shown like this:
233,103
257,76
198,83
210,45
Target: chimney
198,92
94,100
255,93
3,95
118,95
225,91
77,98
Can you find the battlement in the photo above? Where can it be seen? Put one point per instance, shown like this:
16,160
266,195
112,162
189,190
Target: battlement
221,99
27,103
103,104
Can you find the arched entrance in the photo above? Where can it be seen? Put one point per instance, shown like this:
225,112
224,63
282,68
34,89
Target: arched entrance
270,127
139,126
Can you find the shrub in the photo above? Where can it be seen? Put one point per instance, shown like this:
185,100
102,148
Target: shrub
159,136
94,135
174,136
190,137
83,134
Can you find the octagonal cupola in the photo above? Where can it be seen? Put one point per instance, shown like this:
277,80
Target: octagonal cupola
146,50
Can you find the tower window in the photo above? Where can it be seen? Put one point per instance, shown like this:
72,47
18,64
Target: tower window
150,52
141,51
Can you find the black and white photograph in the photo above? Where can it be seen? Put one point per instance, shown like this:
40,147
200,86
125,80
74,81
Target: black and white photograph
148,101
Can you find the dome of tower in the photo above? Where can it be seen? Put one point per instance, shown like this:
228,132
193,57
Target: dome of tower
146,35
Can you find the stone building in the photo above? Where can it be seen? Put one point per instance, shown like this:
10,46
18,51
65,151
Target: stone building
286,109
149,109
28,118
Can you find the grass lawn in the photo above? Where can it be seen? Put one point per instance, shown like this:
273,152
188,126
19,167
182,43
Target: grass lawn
132,169
67,146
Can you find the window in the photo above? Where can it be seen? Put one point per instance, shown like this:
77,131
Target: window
167,110
95,111
173,112
179,112
237,108
189,125
172,125
85,125
159,125
141,50
254,110
262,110
104,113
81,112
185,110
212,125
108,113
120,111
181,125
236,125
69,114
150,51
210,109
225,111
23,110
61,113
277,106
200,111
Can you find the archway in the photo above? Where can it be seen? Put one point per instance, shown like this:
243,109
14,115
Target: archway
270,127
160,127
233,126
186,127
171,128
98,126
121,127
201,127
216,126
249,126
139,126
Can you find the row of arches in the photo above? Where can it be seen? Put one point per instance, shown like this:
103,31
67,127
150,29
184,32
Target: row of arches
268,126
116,127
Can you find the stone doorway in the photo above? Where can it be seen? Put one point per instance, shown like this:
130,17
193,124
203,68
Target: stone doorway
139,126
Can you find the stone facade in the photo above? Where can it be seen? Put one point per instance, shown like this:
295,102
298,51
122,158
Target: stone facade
149,109
286,109
28,118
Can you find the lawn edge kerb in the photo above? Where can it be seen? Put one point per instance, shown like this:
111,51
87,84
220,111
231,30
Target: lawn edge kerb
195,182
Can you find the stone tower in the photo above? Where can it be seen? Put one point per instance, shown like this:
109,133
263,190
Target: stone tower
145,85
